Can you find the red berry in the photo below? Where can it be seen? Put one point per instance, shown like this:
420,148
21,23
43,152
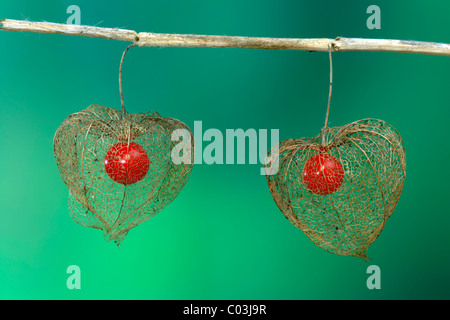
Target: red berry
323,174
126,163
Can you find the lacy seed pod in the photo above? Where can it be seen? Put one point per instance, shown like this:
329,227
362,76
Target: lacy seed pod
342,213
118,167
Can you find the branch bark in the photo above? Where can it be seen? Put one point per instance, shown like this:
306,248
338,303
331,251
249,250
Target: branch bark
147,39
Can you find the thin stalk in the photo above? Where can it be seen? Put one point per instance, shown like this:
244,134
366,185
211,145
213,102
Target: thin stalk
124,112
325,127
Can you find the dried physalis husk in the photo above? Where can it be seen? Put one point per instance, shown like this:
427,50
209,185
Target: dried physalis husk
345,206
118,196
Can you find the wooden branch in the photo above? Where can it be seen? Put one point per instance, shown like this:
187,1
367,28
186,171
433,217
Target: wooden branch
68,29
147,39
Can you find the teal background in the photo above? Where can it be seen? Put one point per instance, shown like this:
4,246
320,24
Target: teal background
223,237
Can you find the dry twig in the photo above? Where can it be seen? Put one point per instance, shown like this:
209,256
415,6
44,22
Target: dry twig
147,39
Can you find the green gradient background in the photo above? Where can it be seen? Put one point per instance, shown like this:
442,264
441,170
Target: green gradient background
223,237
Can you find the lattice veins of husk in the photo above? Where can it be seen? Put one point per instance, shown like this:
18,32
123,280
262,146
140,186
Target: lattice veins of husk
95,200
347,221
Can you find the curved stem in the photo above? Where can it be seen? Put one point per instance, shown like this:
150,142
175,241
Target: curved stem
331,86
329,95
120,79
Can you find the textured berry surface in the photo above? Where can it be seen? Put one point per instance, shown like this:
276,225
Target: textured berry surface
323,174
126,164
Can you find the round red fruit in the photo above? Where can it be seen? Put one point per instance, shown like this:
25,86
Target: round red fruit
126,163
323,174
